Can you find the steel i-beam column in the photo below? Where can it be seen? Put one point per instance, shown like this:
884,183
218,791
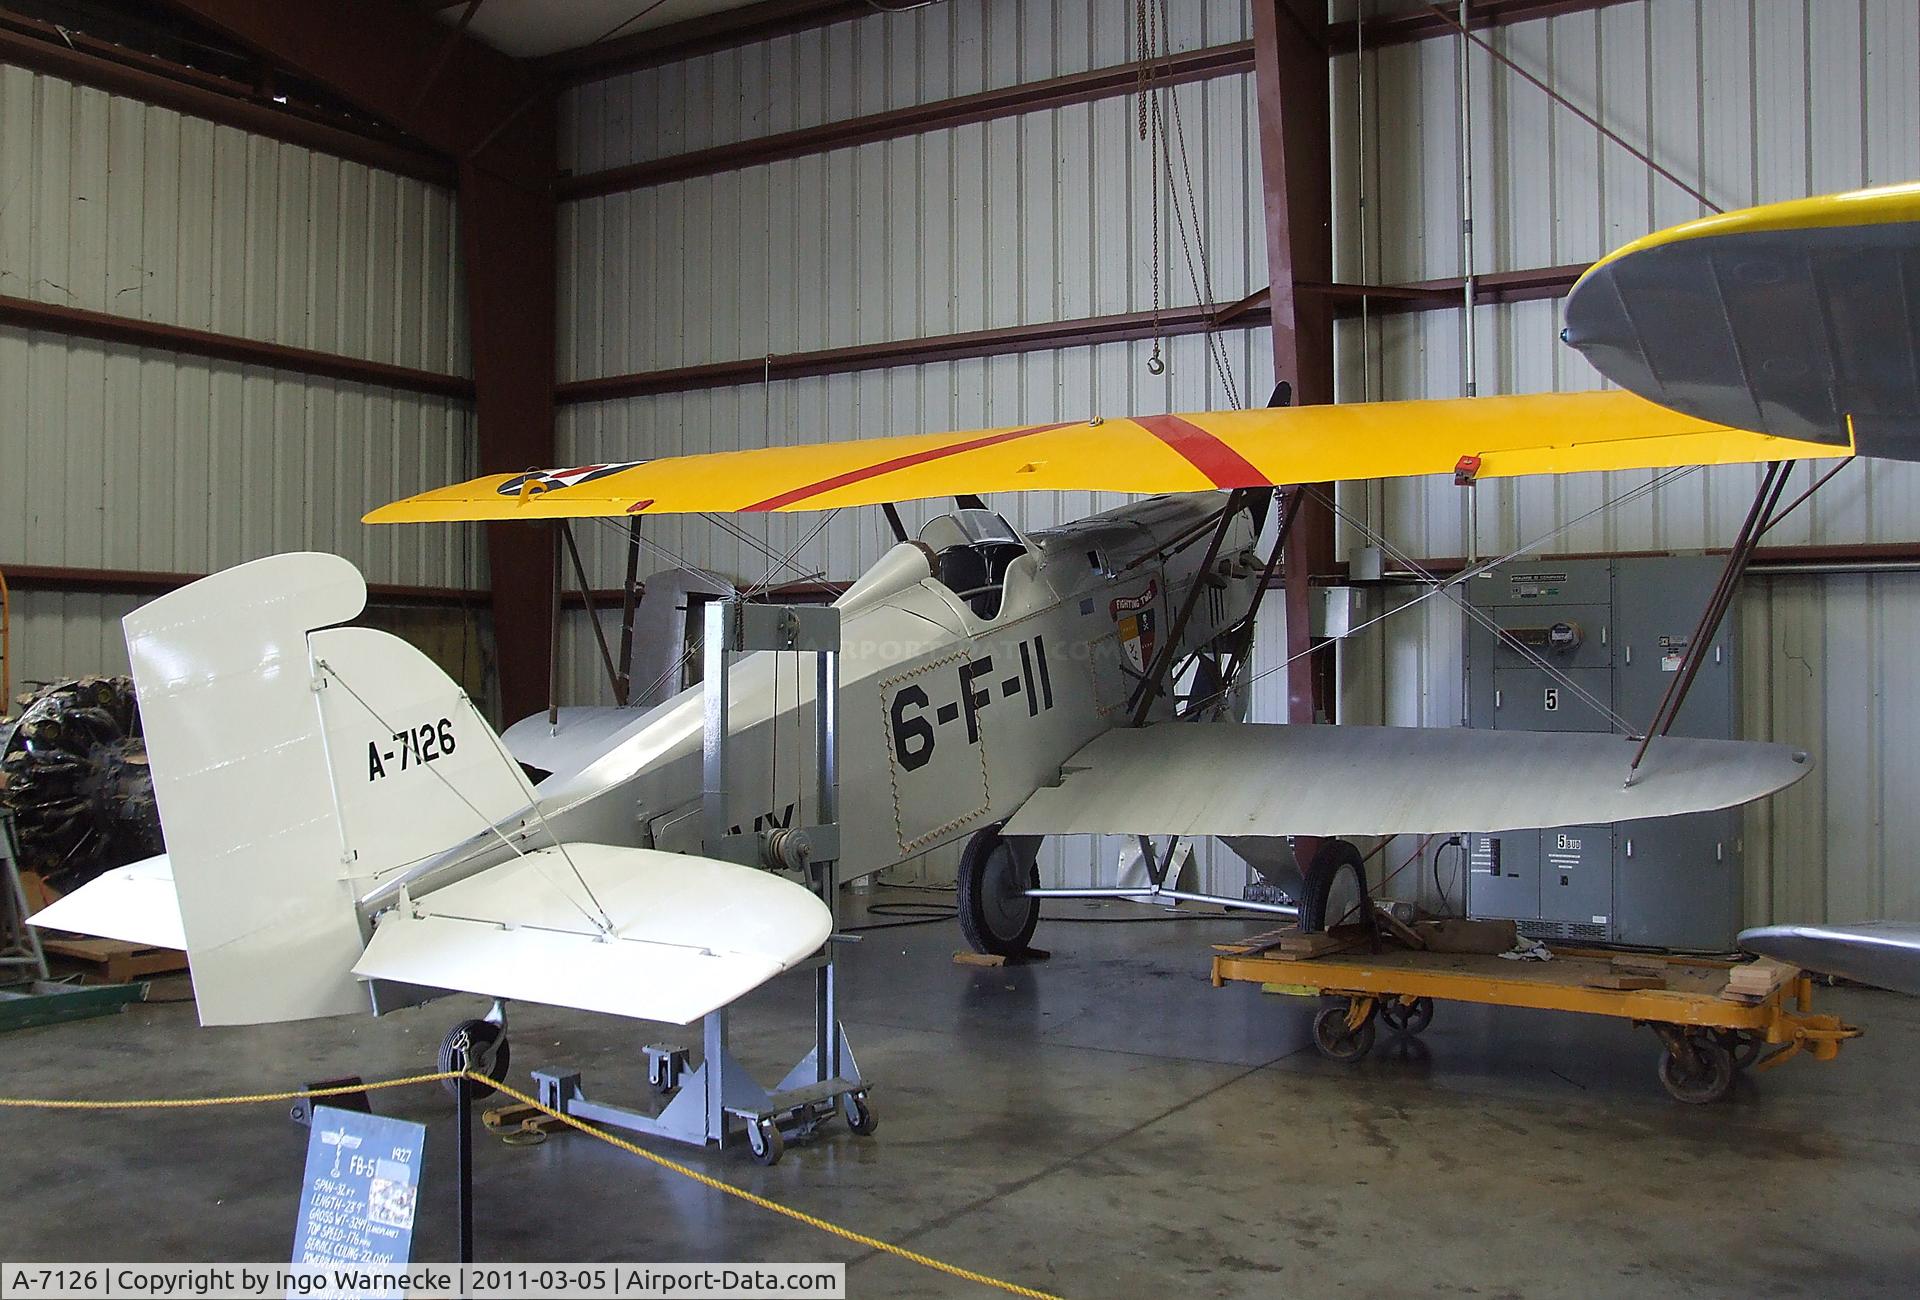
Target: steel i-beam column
1292,88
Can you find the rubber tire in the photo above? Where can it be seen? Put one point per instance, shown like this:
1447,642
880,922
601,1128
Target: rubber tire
1710,1080
1404,1019
1317,885
1335,1041
766,1143
456,1048
975,889
859,1115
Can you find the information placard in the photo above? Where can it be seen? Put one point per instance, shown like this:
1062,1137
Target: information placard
361,1189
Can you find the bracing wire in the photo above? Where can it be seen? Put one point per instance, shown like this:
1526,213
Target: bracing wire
1444,585
605,922
1479,616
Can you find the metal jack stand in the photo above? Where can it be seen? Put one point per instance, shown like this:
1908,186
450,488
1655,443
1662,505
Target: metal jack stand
705,1101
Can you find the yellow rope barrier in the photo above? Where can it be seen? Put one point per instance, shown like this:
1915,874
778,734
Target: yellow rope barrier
687,1171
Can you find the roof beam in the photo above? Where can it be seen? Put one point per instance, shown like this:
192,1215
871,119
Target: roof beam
1430,24
377,55
76,57
1251,312
940,115
772,18
104,327
695,36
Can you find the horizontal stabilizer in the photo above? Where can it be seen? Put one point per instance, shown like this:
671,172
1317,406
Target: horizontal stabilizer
1245,778
1885,954
134,904
684,935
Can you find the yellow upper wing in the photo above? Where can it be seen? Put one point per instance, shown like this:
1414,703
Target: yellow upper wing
1549,433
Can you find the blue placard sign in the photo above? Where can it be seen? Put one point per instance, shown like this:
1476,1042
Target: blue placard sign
361,1189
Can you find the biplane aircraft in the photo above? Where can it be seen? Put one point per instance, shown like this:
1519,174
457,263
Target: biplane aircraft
338,815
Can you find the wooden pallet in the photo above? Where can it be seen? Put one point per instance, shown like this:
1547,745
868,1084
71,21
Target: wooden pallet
114,961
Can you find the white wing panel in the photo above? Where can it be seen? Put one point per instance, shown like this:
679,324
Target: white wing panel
1242,778
134,904
688,935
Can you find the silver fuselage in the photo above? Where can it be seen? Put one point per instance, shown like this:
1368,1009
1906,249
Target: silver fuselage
949,719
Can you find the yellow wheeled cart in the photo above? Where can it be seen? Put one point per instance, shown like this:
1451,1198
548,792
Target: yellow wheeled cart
1707,1037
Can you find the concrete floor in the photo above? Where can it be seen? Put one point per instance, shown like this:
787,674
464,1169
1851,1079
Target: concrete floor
1102,1124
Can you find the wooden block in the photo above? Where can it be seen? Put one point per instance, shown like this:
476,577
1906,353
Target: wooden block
966,957
115,962
1757,980
1309,945
1624,982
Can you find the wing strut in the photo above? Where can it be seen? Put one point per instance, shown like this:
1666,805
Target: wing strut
892,512
593,613
1762,517
629,601
1149,688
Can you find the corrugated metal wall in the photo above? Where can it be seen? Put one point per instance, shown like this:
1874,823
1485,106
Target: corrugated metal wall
125,458
1750,101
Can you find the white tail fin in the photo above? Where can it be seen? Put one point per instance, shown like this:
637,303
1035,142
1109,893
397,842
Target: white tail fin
290,768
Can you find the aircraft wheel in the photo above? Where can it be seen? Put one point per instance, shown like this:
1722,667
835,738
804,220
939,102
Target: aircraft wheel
859,1114
478,1045
1326,902
996,915
1339,1041
1697,1071
764,1140
1407,1019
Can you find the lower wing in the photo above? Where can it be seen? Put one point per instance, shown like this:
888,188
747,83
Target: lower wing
1249,778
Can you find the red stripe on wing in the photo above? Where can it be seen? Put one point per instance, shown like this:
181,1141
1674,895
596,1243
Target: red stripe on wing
1226,467
865,472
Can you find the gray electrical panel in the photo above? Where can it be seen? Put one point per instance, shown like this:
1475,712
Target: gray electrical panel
1614,632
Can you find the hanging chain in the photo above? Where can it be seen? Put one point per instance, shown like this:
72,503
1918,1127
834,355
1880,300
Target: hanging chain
1156,364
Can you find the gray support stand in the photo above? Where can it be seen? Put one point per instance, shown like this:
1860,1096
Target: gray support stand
20,954
704,1102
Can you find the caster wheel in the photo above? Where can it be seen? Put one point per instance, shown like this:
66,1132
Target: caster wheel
1403,1018
1337,1040
765,1141
1700,1072
478,1045
996,916
859,1114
